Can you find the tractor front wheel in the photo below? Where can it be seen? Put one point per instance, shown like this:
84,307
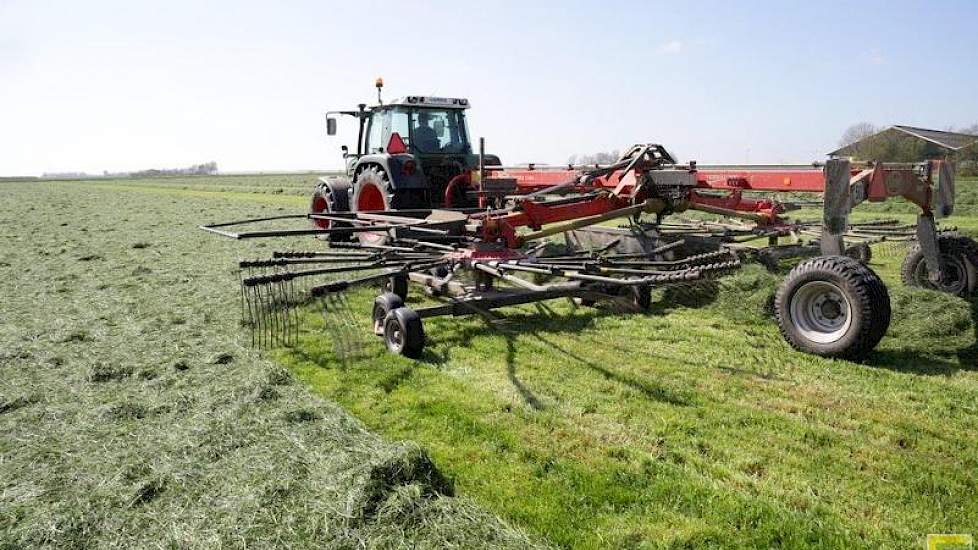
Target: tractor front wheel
833,306
329,198
374,193
959,255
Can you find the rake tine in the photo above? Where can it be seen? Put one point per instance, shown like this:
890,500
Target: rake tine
269,317
285,313
241,285
246,296
279,311
259,313
282,312
270,314
266,316
295,312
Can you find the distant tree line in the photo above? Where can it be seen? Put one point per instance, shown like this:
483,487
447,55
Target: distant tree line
608,157
204,169
898,147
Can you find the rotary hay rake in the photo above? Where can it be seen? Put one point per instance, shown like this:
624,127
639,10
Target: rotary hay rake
466,279
471,261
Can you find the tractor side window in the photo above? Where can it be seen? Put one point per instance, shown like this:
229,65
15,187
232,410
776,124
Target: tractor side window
400,124
375,134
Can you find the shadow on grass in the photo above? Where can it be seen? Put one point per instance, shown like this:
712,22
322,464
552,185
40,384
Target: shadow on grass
694,295
909,360
969,355
546,322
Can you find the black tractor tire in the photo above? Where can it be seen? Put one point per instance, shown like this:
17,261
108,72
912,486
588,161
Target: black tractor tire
328,198
384,304
960,258
833,306
398,284
403,332
861,252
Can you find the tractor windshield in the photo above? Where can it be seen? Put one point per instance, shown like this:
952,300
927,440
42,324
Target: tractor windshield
439,131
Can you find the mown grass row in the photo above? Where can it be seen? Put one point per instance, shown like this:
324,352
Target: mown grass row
133,413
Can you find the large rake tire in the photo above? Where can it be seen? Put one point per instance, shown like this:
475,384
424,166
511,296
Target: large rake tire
384,304
403,332
833,306
329,198
960,258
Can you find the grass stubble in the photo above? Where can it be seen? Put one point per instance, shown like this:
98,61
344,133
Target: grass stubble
133,414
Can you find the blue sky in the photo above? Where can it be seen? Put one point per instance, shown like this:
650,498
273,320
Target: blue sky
128,85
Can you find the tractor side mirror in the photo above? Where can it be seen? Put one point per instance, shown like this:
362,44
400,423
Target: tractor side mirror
346,150
330,126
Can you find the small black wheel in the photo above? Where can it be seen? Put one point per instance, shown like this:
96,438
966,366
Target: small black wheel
639,296
833,306
398,284
384,304
861,252
403,332
441,271
590,301
960,258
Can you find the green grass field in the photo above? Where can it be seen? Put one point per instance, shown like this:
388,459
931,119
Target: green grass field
694,426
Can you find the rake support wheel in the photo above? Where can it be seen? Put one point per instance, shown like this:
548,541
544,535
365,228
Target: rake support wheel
398,284
403,332
638,297
833,306
959,255
384,304
860,251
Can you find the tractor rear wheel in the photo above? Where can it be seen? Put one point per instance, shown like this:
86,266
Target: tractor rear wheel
960,258
833,306
403,332
328,198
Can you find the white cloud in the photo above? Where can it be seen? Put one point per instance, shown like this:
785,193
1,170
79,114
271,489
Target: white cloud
875,57
673,47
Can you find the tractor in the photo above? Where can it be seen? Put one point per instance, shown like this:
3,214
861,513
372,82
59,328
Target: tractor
412,153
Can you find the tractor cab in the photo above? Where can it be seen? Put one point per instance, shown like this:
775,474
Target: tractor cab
424,126
413,153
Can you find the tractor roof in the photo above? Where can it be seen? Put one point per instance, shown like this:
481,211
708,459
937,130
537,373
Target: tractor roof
432,101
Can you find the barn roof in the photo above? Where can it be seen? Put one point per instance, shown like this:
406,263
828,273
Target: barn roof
952,141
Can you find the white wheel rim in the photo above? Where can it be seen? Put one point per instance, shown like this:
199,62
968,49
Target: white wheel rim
821,312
